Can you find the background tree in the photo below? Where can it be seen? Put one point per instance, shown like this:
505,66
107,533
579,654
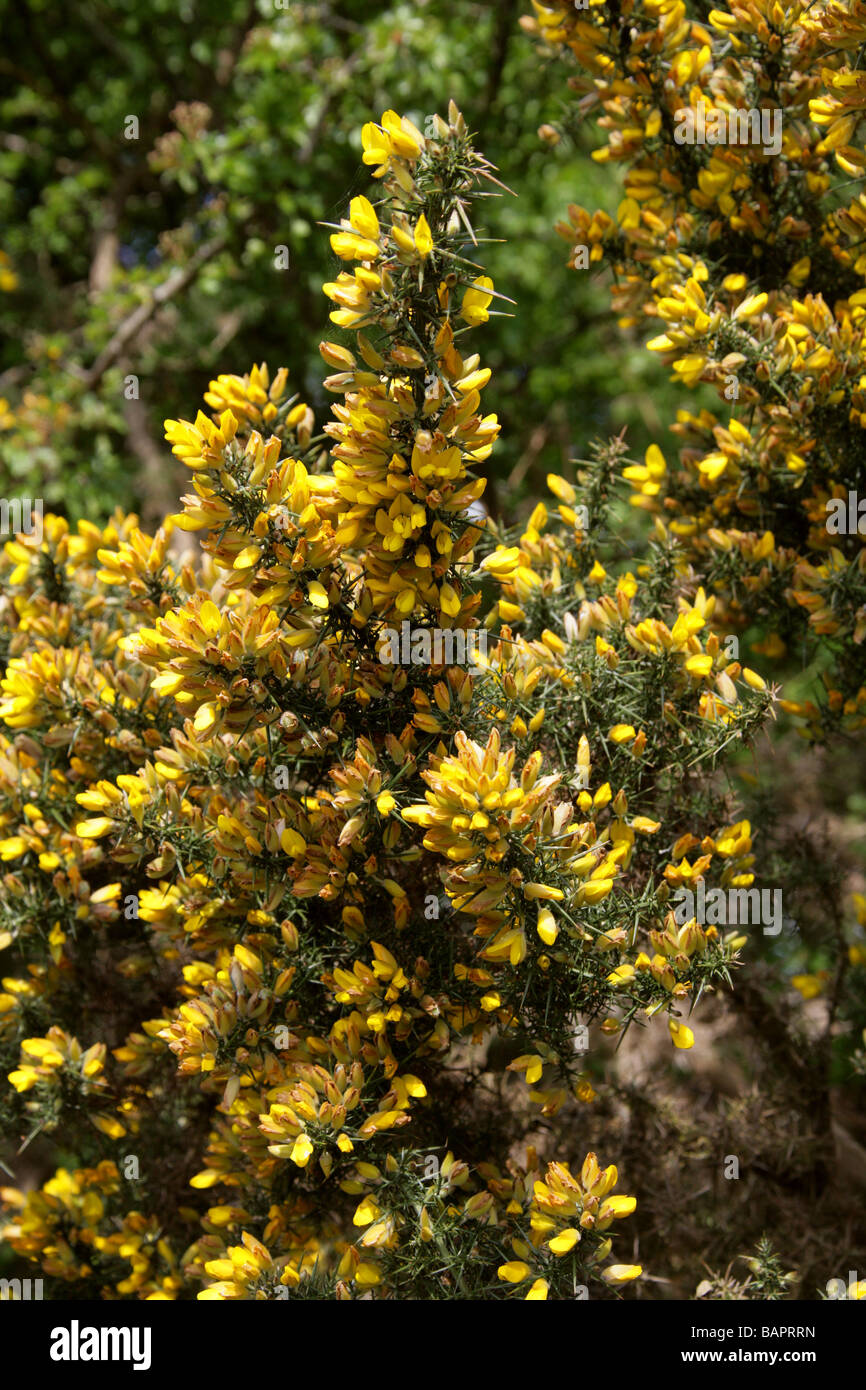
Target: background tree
152,165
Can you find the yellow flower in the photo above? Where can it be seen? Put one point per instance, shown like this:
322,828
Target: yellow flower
622,1274
477,301
682,1036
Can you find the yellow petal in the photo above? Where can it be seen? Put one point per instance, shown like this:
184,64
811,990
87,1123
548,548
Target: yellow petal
423,237
565,1241
363,217
94,829
621,1274
365,1212
292,843
301,1151
317,594
249,556
683,1037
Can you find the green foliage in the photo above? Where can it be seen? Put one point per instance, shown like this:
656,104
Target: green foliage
249,119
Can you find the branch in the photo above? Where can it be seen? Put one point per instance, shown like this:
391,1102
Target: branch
157,475
132,325
502,35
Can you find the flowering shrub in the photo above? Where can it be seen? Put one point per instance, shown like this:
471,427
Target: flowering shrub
271,900
746,252
735,136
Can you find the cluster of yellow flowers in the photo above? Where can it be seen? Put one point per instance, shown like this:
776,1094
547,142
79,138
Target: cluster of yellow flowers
400,505
739,234
298,882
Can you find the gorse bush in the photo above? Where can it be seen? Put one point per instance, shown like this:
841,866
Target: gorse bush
740,236
278,893
737,135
